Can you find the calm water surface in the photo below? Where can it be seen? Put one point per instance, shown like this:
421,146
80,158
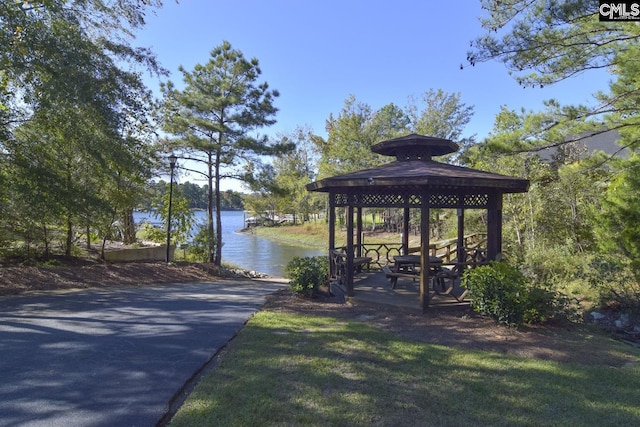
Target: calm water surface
247,251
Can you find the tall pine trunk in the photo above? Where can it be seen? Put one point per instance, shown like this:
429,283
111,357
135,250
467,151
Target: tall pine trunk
218,257
210,234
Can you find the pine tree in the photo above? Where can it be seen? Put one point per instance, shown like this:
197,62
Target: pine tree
211,119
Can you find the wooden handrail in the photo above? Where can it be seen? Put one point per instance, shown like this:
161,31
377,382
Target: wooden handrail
383,253
448,249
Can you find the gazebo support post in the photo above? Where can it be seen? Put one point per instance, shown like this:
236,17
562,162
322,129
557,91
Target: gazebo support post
332,224
332,232
405,232
460,250
494,226
349,263
424,253
359,231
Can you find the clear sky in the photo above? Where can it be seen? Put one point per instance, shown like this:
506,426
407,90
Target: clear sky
318,52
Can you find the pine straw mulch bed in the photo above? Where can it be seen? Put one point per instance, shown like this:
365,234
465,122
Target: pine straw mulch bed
16,280
462,328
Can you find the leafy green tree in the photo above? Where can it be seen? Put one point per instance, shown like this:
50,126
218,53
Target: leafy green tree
440,114
266,193
619,226
151,196
74,122
232,200
358,127
194,194
47,44
520,211
388,122
351,135
292,172
564,194
619,221
353,132
571,199
543,42
212,118
80,176
182,218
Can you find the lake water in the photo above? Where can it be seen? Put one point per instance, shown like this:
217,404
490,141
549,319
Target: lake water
248,251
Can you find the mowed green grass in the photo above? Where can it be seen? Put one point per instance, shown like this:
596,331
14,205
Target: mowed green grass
311,235
315,235
297,370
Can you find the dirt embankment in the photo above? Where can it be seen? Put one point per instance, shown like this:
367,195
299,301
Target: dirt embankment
16,280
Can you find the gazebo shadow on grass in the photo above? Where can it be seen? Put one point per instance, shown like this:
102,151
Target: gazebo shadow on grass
374,287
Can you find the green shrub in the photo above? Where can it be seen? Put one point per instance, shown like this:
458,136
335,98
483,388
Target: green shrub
558,264
502,292
203,244
616,285
307,274
152,234
567,269
542,303
497,290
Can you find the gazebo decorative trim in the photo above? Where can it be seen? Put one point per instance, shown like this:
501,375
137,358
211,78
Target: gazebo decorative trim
414,180
394,199
417,174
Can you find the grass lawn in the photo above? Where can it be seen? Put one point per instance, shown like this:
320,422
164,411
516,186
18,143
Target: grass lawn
316,235
312,234
285,369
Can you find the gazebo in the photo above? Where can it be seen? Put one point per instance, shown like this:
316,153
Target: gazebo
416,181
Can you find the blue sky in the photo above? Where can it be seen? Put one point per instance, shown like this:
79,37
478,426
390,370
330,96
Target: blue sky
317,53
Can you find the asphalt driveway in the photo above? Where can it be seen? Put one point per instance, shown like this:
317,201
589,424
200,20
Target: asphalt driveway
113,357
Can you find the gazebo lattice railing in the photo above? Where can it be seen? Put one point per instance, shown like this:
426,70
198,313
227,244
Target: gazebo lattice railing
381,254
411,198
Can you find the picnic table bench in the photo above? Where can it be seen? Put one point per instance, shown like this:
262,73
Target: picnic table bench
339,263
394,275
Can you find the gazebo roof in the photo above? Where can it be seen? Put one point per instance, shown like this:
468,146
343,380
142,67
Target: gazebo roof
415,144
414,167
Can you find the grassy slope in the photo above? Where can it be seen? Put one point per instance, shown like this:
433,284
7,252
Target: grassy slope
311,235
296,370
316,235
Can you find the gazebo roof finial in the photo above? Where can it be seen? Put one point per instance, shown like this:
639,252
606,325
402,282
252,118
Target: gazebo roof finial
415,147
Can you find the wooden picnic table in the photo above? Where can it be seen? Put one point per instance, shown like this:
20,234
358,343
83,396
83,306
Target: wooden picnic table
409,266
412,262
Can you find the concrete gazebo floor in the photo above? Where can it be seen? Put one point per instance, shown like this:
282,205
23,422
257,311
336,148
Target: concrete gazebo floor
374,287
